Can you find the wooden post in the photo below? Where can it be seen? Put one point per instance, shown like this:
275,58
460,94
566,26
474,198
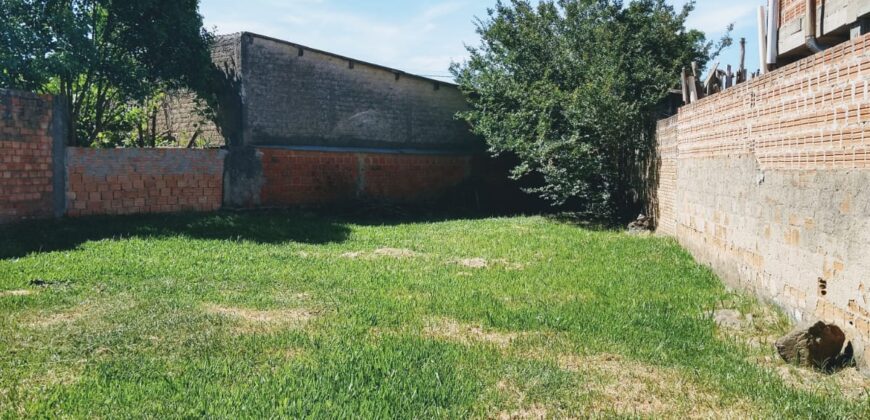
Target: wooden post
711,76
685,85
729,78
741,71
693,89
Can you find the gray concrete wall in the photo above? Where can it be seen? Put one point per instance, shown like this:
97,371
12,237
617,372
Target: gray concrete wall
295,96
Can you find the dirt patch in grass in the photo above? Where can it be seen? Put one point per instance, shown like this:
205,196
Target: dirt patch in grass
382,252
451,330
481,263
68,316
510,390
848,383
12,293
395,253
536,411
253,320
474,263
633,388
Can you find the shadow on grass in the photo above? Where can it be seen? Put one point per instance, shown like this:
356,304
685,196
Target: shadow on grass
265,227
20,240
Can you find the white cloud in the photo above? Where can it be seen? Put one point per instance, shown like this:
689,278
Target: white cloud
426,41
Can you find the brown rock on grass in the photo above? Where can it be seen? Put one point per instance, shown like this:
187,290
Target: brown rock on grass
812,345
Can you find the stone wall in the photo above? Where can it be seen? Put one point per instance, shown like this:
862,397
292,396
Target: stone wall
28,139
769,185
297,96
136,181
299,177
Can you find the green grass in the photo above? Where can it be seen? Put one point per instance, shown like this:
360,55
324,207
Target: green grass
289,314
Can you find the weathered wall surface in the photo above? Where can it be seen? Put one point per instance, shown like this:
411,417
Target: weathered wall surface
28,136
296,177
770,185
833,21
136,181
296,96
667,139
182,113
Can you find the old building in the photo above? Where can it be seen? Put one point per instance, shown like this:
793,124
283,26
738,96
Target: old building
307,126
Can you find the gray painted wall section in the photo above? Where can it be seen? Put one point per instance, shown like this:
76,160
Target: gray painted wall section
296,96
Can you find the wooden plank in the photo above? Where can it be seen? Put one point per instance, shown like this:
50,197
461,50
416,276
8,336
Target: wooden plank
711,75
693,89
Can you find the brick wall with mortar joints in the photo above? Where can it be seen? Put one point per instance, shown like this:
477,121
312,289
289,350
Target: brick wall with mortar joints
296,96
666,145
25,156
296,177
771,183
180,114
137,181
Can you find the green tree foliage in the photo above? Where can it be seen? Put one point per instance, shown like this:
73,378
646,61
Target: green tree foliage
572,88
108,58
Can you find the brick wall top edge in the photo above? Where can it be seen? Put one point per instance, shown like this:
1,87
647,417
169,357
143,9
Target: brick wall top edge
104,162
754,83
364,150
355,61
24,94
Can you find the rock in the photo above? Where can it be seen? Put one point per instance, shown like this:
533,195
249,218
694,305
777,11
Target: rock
812,345
643,224
729,318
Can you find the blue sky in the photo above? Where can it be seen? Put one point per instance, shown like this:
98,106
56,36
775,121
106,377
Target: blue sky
421,37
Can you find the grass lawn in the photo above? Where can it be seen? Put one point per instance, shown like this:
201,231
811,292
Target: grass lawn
289,314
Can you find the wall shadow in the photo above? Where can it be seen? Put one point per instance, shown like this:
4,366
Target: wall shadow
22,239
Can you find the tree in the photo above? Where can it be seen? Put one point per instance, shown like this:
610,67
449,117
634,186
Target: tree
103,56
572,88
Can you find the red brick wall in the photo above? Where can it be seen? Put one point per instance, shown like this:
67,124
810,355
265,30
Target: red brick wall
133,181
25,156
770,186
790,10
295,177
666,144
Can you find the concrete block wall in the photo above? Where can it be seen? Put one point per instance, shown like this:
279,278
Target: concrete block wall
299,96
770,186
301,177
28,136
136,181
834,18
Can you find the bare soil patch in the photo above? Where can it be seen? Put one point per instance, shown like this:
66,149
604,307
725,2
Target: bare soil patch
481,263
468,334
474,263
382,252
395,253
11,293
253,320
633,388
848,383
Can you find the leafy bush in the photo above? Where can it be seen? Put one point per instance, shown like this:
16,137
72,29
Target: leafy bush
572,87
108,59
